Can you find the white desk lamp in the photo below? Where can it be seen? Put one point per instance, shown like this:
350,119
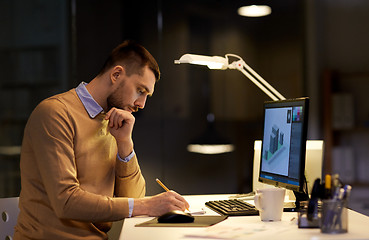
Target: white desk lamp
222,63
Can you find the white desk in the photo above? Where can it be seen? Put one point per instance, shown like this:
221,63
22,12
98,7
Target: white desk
358,227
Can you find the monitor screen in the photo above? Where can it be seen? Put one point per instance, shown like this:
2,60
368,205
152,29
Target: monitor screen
282,160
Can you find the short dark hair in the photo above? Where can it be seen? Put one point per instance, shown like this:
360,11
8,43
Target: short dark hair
133,57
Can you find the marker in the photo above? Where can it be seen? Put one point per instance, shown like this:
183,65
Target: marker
328,186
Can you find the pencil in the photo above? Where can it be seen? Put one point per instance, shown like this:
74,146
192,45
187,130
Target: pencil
162,185
165,188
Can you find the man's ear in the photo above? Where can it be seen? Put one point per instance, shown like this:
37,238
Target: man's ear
116,73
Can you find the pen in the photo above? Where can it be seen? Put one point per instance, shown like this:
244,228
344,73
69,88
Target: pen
337,209
336,180
336,185
165,188
342,198
347,189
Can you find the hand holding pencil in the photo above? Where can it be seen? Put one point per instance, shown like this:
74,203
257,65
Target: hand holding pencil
167,190
159,204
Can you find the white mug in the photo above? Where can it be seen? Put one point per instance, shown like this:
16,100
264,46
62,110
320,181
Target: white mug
269,202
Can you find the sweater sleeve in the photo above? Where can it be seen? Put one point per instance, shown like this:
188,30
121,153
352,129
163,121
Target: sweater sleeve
129,181
51,131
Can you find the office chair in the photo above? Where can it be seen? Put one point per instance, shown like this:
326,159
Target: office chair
9,214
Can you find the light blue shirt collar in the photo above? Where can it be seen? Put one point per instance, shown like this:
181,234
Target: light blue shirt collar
92,107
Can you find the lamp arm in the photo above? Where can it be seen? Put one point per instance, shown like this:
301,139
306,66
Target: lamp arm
241,65
258,84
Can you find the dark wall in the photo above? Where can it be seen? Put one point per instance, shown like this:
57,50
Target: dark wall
186,94
47,47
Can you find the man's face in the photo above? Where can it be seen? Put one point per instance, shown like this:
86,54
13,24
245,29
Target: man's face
133,91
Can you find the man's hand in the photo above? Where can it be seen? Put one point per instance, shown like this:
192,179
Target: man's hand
121,124
159,204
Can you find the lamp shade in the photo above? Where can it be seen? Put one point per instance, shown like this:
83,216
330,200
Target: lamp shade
213,62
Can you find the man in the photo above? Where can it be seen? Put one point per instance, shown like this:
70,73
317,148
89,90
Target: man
79,171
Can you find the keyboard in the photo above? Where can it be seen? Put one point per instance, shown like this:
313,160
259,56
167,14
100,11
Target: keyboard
232,207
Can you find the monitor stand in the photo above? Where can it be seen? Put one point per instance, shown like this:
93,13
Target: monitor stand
300,197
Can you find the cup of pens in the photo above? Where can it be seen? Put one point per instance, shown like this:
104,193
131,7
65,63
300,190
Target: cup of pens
334,216
333,196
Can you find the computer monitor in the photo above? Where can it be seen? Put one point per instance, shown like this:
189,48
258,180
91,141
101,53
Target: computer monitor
313,165
282,161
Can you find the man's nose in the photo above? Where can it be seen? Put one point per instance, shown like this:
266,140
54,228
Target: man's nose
140,102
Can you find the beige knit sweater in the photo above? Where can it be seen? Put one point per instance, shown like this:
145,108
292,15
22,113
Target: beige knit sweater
72,183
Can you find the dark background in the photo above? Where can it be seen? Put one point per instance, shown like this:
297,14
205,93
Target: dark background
48,47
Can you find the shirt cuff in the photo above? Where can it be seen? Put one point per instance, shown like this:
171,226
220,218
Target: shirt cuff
126,159
130,206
